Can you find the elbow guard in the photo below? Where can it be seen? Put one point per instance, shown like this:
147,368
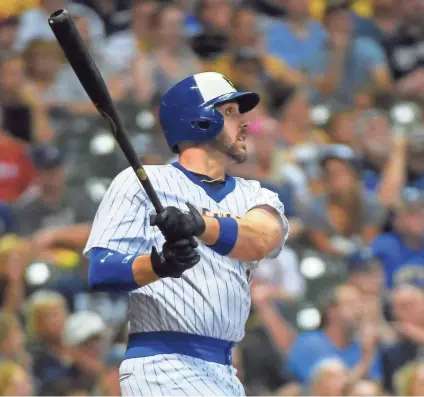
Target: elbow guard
111,271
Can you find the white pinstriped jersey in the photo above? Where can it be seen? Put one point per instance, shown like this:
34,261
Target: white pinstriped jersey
211,299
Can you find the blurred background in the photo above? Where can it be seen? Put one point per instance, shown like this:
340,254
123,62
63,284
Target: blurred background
339,135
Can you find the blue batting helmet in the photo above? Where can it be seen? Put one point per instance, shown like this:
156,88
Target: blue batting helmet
187,112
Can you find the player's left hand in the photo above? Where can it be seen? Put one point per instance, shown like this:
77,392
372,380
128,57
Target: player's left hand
176,224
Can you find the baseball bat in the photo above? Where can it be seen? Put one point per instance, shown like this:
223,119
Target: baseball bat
91,79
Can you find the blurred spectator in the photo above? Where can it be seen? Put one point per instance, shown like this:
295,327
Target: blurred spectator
383,23
403,50
247,63
122,47
8,31
84,334
15,255
170,60
328,378
374,141
212,36
281,276
12,341
344,335
14,380
67,92
367,276
410,380
46,317
407,303
342,129
345,216
17,172
33,23
24,114
54,213
43,60
115,15
402,251
344,66
296,37
365,388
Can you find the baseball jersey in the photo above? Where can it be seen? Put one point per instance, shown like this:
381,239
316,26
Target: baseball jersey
211,299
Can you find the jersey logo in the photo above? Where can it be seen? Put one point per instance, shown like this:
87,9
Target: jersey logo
217,214
104,259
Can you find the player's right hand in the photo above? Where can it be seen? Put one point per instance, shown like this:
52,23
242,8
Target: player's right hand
176,224
175,258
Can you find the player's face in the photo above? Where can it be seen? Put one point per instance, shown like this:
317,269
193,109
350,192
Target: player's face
232,139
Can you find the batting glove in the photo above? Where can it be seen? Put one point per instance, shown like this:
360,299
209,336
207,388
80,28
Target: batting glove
175,258
176,224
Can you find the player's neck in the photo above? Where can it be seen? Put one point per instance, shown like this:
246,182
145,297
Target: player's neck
199,160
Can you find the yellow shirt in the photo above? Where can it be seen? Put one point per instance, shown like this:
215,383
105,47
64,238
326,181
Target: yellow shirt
361,7
14,8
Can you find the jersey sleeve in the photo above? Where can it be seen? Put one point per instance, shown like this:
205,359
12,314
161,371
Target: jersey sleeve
121,222
268,199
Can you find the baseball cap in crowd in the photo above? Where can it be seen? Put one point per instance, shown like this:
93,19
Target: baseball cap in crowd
82,326
363,261
47,157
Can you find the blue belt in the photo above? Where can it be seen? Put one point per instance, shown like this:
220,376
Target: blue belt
146,344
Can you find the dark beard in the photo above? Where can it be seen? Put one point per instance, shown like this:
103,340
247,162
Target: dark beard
222,144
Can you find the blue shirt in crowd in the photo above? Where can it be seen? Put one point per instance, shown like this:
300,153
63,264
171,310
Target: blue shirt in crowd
364,56
296,52
400,263
310,348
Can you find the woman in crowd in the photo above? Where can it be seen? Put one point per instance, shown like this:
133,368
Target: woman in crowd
170,59
344,217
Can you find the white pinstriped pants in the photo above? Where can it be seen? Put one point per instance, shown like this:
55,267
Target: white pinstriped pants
177,375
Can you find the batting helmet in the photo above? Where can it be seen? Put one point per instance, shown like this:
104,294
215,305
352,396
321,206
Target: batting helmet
187,112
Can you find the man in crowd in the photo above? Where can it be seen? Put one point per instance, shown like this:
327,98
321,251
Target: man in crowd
54,214
343,335
402,250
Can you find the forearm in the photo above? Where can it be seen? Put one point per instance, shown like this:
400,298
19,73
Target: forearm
112,271
253,241
331,80
72,236
14,296
281,333
394,175
143,271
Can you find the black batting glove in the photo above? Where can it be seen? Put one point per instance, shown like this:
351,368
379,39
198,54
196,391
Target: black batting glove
175,258
176,224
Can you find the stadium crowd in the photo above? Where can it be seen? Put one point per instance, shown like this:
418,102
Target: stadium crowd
339,135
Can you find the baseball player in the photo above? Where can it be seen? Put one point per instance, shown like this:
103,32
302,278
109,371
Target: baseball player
188,269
